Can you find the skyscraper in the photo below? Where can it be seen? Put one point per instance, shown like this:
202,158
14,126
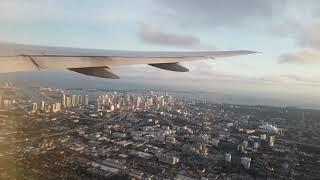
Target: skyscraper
245,144
112,108
48,108
79,99
63,101
86,100
138,102
162,103
74,100
228,157
271,140
149,102
34,107
245,161
56,107
68,102
42,105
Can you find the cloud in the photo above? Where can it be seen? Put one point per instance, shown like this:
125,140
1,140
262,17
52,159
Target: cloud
292,79
311,36
285,18
152,35
303,19
303,56
22,11
59,11
219,13
309,51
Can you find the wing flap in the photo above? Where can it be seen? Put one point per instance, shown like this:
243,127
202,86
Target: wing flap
102,72
171,67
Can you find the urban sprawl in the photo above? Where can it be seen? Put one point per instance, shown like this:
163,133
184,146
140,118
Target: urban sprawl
103,134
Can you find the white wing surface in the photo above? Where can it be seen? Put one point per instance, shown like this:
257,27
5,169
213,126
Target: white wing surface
96,62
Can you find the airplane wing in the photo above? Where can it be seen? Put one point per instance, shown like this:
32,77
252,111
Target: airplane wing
96,62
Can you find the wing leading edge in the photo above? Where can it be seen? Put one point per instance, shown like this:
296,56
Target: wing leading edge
17,57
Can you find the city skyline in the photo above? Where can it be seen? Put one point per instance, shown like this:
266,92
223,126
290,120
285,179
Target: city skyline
150,134
70,80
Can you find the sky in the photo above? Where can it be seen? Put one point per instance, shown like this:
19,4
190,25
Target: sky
286,32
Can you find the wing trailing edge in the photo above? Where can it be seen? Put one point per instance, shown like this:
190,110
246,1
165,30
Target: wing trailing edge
171,67
102,72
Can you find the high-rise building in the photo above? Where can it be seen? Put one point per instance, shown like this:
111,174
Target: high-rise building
128,100
263,136
56,107
34,107
112,108
53,108
74,100
63,100
169,99
162,103
68,102
228,157
86,100
240,147
149,102
42,105
245,144
48,108
203,149
271,140
138,102
245,161
268,128
80,99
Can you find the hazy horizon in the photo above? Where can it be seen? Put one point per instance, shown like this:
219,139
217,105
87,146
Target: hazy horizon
68,80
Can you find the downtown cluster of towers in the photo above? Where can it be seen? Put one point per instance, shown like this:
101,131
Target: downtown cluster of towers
106,102
45,107
67,101
115,101
74,100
